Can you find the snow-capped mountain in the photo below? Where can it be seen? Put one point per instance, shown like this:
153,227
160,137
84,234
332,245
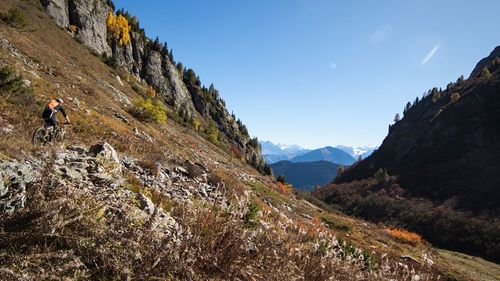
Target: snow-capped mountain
356,151
277,152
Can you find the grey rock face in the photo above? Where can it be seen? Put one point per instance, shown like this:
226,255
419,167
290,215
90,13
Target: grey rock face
154,74
137,42
199,103
90,18
123,55
58,10
181,95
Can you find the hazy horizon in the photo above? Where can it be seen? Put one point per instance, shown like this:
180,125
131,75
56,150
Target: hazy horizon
317,73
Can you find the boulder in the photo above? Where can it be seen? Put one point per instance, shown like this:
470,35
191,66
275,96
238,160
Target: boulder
14,177
108,167
76,102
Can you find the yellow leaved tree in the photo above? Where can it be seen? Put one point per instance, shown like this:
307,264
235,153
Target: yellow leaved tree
119,28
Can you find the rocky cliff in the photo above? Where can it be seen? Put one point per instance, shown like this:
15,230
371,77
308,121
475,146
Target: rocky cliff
152,63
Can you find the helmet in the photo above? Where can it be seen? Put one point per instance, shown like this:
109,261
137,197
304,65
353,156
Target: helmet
59,100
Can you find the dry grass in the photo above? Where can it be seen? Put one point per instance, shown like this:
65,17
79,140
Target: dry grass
78,236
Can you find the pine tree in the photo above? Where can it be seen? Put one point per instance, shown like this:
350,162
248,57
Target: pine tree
496,61
213,133
267,170
381,175
416,101
171,56
156,45
407,107
281,179
460,80
340,170
436,95
397,118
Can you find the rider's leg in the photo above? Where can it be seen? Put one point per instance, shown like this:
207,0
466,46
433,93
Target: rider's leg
48,128
52,121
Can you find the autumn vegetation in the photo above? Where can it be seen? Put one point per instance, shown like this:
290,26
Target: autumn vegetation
119,28
147,109
404,235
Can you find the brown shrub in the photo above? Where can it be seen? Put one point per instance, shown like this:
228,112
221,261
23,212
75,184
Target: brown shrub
404,235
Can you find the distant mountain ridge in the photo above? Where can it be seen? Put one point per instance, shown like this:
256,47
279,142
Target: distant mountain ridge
269,148
278,152
305,176
327,153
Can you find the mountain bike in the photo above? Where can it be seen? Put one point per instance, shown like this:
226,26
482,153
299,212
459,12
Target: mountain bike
49,134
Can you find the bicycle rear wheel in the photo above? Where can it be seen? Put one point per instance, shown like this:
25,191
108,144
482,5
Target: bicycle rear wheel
39,136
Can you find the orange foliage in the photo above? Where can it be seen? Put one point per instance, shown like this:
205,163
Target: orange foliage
284,188
316,226
151,92
404,235
73,28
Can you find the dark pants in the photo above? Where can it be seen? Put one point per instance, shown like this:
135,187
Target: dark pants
49,118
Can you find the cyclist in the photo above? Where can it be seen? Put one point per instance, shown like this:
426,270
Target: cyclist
49,114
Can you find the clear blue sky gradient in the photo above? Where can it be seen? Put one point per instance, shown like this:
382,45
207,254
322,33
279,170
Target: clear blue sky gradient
318,72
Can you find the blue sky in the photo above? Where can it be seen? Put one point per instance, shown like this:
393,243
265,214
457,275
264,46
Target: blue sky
318,72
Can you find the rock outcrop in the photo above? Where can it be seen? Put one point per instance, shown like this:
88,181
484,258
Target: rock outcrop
99,168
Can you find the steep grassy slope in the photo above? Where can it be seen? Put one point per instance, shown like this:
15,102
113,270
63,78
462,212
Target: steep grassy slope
157,201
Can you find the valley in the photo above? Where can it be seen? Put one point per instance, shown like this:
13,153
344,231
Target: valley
158,179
